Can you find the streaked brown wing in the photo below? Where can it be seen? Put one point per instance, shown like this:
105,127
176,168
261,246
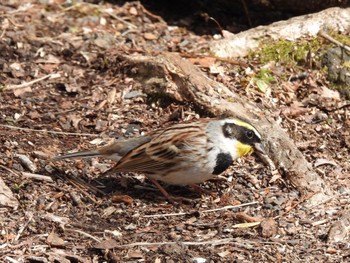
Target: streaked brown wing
162,152
140,160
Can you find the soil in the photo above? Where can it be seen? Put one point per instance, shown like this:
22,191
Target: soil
65,88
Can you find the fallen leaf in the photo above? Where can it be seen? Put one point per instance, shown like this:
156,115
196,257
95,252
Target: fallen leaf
321,161
330,94
54,240
106,244
135,254
262,85
294,111
122,199
204,62
224,253
6,196
133,11
199,260
268,227
108,211
115,233
150,36
20,91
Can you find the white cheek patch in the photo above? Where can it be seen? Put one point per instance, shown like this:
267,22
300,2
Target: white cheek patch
231,146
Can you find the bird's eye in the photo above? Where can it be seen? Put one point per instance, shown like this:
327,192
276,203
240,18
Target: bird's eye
250,134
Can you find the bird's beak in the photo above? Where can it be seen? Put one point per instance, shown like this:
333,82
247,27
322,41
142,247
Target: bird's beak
258,147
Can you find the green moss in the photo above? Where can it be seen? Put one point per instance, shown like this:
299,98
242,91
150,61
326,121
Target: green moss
287,52
293,53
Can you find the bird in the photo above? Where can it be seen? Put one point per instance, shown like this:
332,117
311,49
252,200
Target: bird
186,153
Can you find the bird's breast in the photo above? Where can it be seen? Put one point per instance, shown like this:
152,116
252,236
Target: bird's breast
223,161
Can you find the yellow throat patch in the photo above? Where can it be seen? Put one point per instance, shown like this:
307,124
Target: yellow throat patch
243,149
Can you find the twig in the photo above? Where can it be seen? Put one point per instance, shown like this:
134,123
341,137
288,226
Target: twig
26,84
83,233
204,211
165,215
51,132
230,61
39,177
303,199
100,10
3,33
26,162
334,41
20,231
214,242
9,170
144,10
120,20
247,13
320,222
229,207
78,186
82,183
11,259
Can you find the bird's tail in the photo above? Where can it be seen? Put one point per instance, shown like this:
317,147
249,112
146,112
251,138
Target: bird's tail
83,154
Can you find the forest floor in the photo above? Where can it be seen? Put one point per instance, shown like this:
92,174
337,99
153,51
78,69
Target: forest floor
65,88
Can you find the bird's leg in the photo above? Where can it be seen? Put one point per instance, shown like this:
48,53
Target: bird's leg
196,188
164,192
171,199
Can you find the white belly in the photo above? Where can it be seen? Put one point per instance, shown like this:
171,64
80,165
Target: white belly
193,175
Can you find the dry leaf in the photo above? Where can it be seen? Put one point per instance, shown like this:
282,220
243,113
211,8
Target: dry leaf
54,240
224,254
204,62
330,94
150,36
20,91
6,196
122,199
321,161
268,227
134,254
106,244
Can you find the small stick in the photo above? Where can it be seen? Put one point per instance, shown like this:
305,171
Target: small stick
120,20
76,199
26,162
83,233
228,207
27,84
214,242
9,170
39,177
11,259
76,184
204,211
334,41
320,222
52,132
20,231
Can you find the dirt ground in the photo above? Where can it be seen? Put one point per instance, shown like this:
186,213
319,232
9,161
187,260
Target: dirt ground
67,89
